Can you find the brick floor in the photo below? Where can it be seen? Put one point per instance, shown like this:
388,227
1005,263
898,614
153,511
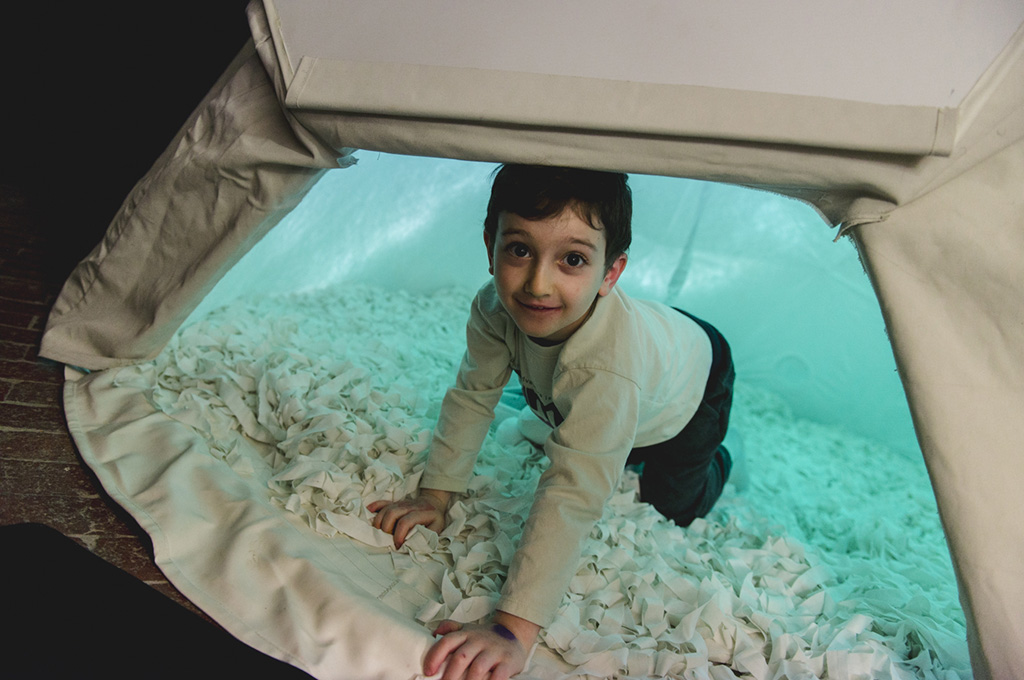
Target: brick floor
42,477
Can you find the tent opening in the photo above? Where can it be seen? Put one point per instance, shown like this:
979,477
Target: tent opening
764,267
373,272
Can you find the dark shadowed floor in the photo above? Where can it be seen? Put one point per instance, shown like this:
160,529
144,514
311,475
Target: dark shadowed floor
42,478
93,94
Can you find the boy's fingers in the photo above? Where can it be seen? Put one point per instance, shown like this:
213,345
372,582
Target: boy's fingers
458,663
447,626
409,521
472,653
501,672
485,665
439,651
399,518
381,520
389,516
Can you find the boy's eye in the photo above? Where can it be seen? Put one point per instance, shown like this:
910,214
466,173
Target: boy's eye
518,250
575,260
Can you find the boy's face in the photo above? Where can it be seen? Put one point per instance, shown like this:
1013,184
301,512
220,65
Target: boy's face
550,272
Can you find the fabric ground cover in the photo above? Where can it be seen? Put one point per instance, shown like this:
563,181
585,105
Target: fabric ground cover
831,563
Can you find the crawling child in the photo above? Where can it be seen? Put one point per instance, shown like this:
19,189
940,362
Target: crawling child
618,380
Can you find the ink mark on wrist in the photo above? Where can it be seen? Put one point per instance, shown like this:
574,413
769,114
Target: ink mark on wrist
504,632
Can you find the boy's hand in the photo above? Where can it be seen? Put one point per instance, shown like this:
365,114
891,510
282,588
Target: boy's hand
482,652
399,518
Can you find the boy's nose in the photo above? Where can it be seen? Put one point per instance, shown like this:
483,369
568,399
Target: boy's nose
538,282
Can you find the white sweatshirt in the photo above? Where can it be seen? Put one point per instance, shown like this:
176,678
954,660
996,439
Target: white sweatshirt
633,375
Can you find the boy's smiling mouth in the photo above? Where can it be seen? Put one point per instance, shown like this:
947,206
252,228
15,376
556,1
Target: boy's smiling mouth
538,308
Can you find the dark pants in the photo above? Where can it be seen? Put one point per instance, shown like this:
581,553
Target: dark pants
684,476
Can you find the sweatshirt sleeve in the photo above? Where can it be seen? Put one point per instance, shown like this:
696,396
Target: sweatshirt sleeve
588,451
468,407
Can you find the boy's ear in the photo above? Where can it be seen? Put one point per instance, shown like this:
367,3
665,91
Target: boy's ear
490,253
611,276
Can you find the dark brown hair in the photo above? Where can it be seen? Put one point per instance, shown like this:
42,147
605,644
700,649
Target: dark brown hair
535,192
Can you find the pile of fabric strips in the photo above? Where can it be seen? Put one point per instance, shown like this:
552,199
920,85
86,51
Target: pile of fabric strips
831,563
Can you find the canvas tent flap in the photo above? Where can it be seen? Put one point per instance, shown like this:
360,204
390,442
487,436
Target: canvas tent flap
675,68
502,98
947,268
424,91
781,142
243,172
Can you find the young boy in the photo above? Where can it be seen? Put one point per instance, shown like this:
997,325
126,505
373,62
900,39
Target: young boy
618,380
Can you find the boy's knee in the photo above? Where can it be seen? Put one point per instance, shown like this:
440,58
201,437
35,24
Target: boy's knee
684,496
